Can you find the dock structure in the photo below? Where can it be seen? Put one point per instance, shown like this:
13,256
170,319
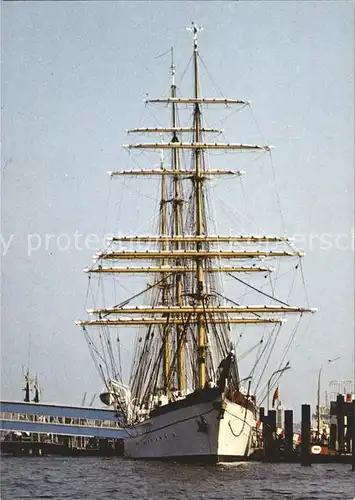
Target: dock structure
61,420
306,448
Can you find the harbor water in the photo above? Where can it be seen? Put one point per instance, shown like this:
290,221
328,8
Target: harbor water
115,478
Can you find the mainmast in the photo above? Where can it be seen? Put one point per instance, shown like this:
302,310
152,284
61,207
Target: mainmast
199,220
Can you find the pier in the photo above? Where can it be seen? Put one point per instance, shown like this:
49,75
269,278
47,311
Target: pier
42,429
307,447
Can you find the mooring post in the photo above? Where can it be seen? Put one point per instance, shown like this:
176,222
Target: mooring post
288,433
340,422
353,437
306,435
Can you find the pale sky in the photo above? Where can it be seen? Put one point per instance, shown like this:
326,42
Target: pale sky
74,75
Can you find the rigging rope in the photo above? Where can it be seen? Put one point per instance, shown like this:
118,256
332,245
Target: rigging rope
278,200
259,353
250,350
210,77
291,339
127,301
257,290
271,348
184,72
304,282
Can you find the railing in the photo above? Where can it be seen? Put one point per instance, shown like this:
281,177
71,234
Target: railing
61,420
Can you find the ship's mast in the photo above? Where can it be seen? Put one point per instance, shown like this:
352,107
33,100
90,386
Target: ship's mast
199,220
163,245
177,227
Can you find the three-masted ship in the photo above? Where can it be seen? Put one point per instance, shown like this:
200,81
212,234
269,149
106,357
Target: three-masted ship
185,399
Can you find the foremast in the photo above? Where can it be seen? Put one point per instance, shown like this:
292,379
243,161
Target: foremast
199,222
177,233
177,365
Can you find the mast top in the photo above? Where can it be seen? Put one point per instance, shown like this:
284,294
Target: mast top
194,29
172,67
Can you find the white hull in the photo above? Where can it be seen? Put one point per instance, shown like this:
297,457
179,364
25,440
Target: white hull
201,431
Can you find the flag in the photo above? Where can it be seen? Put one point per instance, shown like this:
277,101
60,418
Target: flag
275,397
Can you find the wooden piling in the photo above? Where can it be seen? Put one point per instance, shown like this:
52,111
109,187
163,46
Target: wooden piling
288,432
306,435
340,422
267,439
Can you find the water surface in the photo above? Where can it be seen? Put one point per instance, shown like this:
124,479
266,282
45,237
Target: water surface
115,478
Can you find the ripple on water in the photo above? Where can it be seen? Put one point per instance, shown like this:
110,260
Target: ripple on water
115,478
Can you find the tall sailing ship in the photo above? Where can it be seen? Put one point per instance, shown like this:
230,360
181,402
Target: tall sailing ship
185,399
